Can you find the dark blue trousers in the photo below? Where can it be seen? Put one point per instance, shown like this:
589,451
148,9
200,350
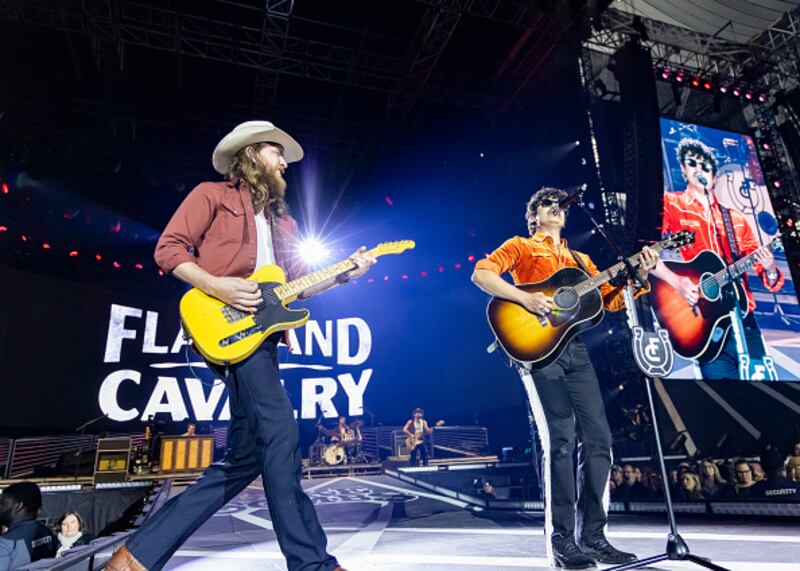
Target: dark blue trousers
262,440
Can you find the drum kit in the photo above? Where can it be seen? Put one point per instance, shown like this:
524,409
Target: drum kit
341,447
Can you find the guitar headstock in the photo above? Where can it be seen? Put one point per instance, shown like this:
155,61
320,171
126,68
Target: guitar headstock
679,239
397,247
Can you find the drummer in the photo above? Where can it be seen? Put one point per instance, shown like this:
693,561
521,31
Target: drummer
343,433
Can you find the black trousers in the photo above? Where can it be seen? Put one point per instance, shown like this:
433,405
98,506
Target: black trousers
726,365
422,451
262,440
567,405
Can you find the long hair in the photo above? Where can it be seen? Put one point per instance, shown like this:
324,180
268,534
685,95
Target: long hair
265,192
696,493
717,477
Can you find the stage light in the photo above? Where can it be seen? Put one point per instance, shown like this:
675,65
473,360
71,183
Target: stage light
748,95
577,143
313,251
766,146
370,280
404,276
5,188
679,77
696,81
73,254
138,266
160,272
707,85
665,73
388,201
723,89
762,97
45,246
470,258
482,155
441,269
386,278
458,266
424,274
737,91
98,257
776,184
116,265
3,228
24,238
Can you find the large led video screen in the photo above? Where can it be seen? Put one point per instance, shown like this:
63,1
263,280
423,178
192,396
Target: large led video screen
727,300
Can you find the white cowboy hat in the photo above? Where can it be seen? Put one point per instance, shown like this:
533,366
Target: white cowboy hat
251,132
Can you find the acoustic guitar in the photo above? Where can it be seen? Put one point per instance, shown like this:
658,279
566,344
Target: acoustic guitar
537,341
699,332
226,335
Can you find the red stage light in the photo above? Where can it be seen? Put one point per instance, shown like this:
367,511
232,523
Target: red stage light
707,85
73,254
470,258
5,188
441,269
766,146
776,184
748,95
762,97
679,77
424,274
45,246
737,91
24,238
138,266
696,81
3,228
388,200
98,257
160,272
723,89
116,264
666,73
458,266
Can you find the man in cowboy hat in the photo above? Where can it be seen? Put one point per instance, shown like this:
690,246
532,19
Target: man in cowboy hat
416,428
220,234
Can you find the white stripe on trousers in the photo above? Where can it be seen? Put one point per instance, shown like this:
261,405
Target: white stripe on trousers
544,438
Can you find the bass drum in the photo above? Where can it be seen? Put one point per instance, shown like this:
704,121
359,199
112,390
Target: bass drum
333,455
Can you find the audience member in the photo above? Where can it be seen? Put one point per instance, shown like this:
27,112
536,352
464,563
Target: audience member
777,488
793,468
71,532
26,540
758,471
712,482
631,488
616,476
743,485
690,488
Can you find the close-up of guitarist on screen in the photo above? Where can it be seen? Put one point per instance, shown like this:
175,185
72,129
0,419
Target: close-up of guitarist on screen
567,388
705,302
221,234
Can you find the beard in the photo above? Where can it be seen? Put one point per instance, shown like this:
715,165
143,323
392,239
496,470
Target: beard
271,176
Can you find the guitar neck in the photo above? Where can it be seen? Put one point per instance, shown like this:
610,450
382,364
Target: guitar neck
613,271
741,265
292,289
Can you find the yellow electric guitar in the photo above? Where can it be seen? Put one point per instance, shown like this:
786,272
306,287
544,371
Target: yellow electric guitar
226,335
414,441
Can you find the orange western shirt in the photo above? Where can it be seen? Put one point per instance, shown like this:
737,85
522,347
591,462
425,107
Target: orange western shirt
531,260
683,212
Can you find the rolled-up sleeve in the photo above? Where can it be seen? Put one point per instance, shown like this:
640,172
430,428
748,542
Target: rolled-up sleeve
185,230
503,259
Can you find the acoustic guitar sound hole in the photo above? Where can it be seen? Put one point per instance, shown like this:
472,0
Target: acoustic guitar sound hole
566,298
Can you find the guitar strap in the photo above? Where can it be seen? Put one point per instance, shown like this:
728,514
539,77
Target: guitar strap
578,261
730,233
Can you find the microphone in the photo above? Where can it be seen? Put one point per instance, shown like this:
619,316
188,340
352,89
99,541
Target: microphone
574,195
702,179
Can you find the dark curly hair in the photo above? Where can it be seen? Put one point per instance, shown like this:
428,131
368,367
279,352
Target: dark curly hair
544,193
698,149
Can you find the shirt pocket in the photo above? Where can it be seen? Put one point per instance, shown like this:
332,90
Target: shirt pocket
229,223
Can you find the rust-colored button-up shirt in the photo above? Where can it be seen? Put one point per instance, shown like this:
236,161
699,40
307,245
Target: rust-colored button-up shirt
531,260
683,212
215,228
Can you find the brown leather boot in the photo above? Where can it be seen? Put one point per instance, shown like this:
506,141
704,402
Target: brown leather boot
123,560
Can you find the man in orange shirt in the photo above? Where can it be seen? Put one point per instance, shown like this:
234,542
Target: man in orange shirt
692,210
566,393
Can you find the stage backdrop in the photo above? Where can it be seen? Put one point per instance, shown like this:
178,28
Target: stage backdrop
740,186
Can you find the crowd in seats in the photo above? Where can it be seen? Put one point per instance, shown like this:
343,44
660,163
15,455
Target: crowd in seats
773,477
24,539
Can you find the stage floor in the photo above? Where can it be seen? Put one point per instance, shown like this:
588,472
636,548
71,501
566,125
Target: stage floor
376,522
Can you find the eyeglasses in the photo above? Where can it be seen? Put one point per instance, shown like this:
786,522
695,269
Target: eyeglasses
548,202
705,165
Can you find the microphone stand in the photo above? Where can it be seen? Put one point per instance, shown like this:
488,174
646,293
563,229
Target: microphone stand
676,547
82,429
